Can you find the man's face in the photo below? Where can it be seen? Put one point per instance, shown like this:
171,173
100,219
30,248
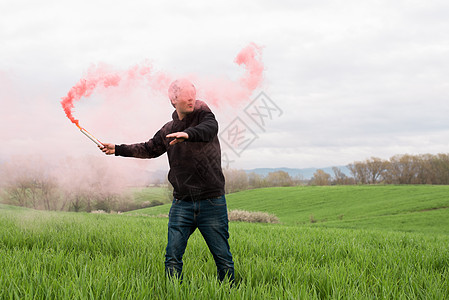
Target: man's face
184,103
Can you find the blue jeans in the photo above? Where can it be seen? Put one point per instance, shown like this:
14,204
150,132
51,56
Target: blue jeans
210,216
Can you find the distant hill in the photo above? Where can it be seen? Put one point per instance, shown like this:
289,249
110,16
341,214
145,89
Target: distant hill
306,173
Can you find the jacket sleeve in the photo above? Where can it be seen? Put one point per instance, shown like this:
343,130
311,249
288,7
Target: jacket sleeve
206,129
153,148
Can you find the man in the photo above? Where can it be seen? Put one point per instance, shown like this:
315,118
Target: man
194,155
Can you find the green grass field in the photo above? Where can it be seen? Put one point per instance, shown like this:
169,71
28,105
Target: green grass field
416,208
152,194
365,254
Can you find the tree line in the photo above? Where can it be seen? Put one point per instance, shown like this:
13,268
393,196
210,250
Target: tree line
399,169
239,180
86,184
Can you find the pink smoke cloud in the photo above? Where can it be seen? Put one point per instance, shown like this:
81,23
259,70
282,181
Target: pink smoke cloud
220,92
251,58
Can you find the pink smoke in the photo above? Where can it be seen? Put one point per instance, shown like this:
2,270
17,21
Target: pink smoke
218,92
250,57
99,77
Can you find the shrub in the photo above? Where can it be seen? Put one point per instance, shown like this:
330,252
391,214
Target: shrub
252,217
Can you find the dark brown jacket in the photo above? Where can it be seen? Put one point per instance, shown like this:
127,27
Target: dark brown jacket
195,164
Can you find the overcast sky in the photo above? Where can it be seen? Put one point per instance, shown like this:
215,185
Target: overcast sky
347,80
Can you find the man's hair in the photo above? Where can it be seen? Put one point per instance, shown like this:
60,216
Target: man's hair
177,86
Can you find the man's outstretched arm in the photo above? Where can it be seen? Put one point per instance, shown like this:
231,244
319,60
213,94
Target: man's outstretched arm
153,148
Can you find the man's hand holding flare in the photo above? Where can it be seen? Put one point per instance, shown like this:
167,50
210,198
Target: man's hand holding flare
108,148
